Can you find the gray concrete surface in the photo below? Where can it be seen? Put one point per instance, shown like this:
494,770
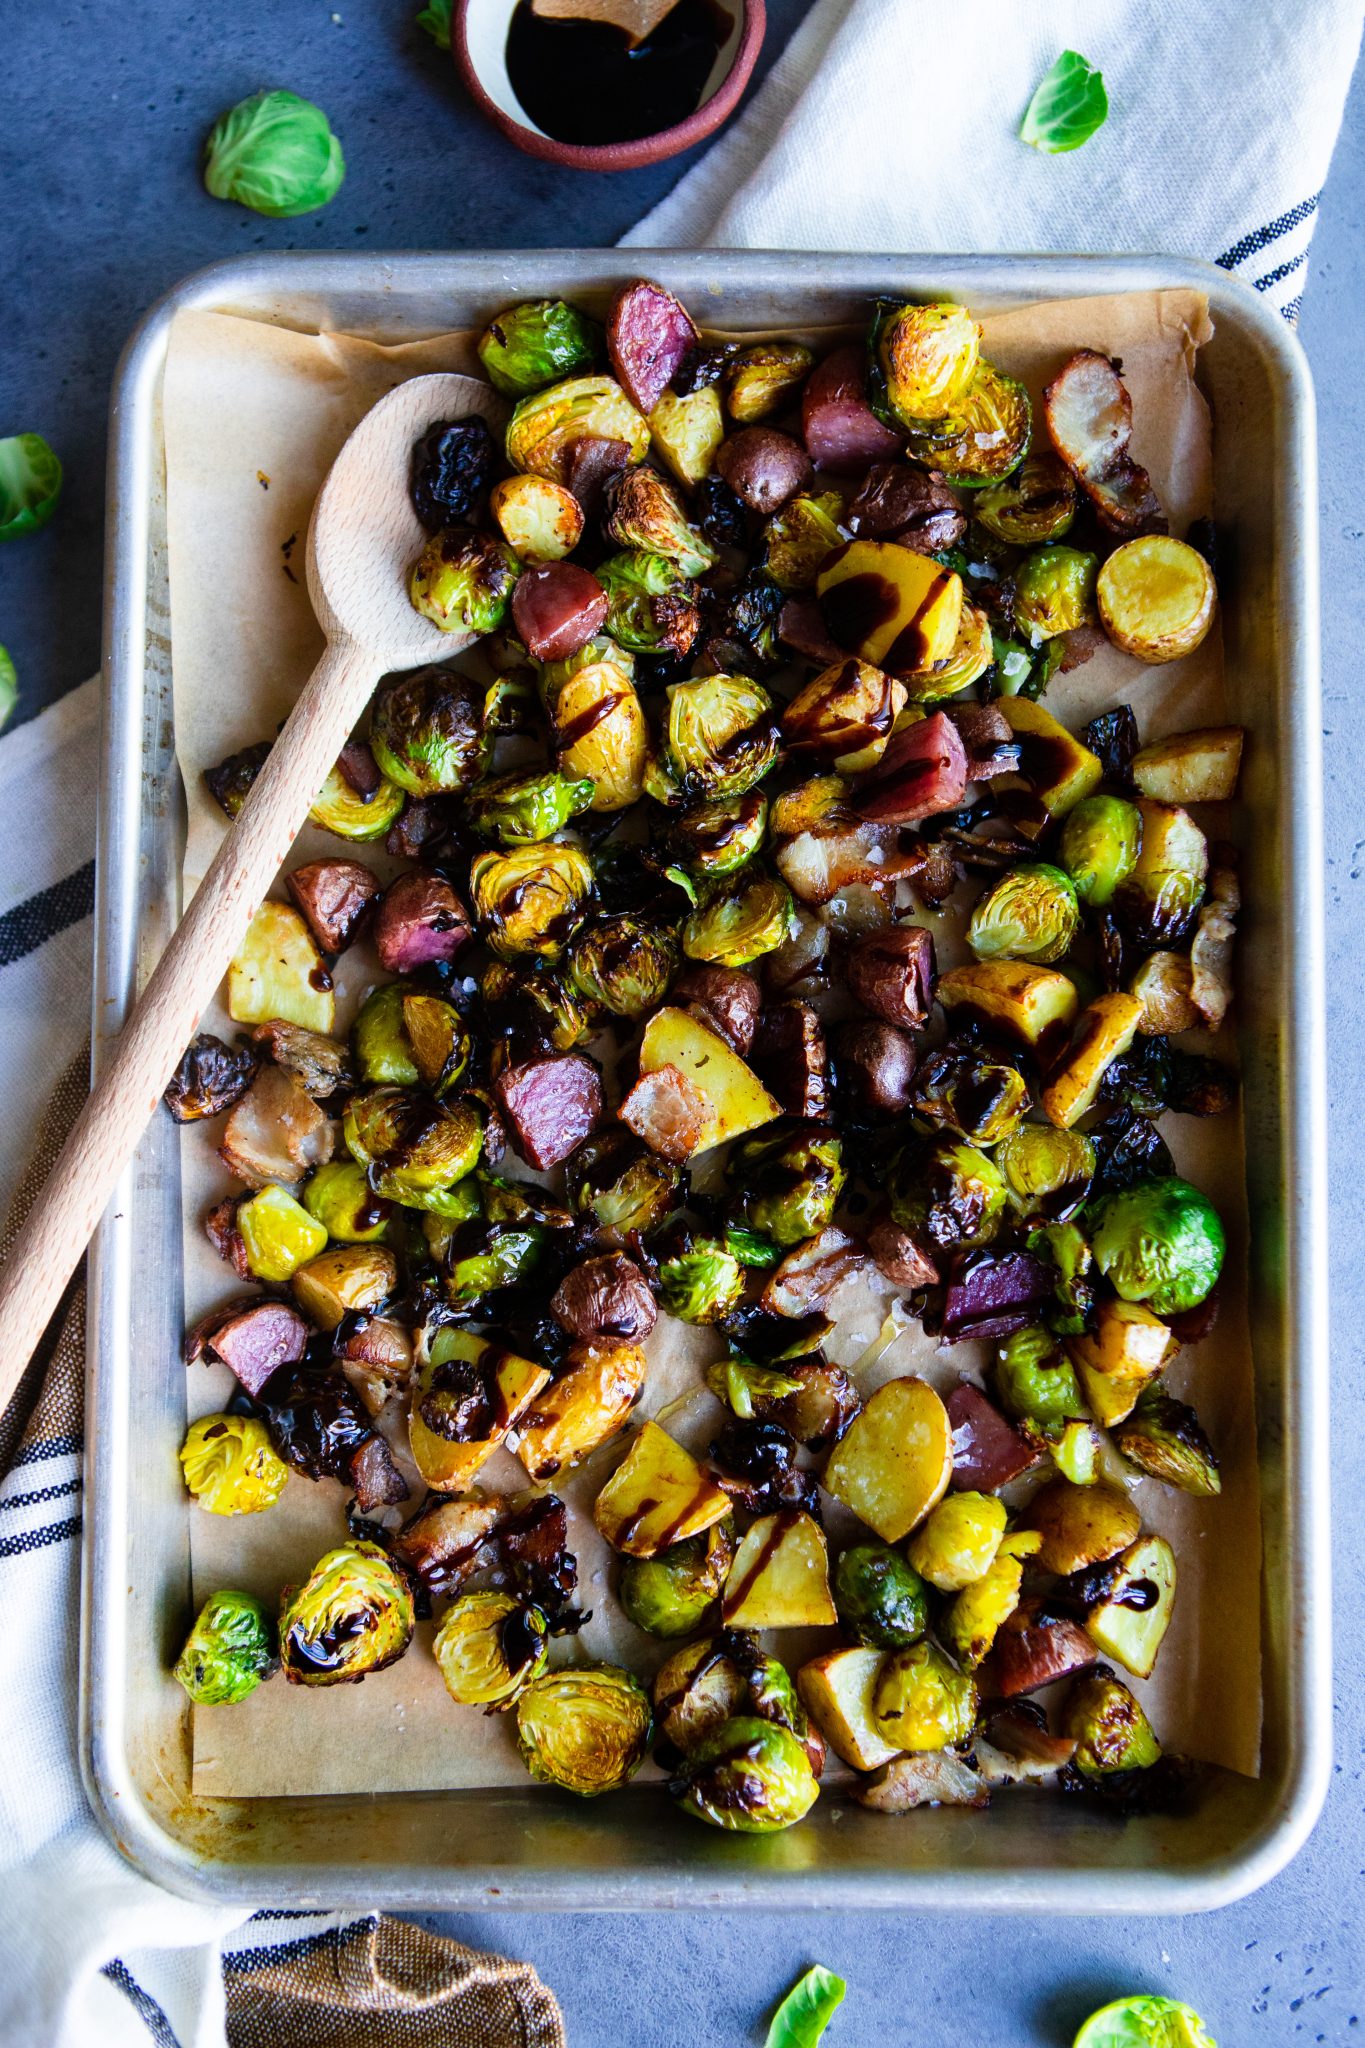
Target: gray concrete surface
102,210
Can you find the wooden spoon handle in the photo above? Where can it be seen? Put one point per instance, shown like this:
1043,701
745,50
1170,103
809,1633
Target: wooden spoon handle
107,1131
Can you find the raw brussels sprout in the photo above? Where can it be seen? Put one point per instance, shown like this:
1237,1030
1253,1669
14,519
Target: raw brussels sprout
671,1595
520,810
585,1730
1158,899
1163,1438
30,485
1047,1169
973,652
751,1776
463,580
227,1653
977,1099
740,920
645,515
529,900
705,1684
414,1143
719,838
984,436
1108,1727
623,964
700,1281
352,1615
926,356
1054,591
720,738
548,425
276,154
921,1702
1144,2022
339,808
517,997
1099,847
383,1051
880,1597
651,605
489,1647
947,1195
426,731
1030,914
1036,1380
765,376
621,1189
956,1546
799,536
1161,1243
344,1204
279,1234
529,346
231,1466
502,1255
788,1179
1035,506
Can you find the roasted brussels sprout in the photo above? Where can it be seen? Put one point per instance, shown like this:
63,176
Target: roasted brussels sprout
1048,1170
278,1233
622,1191
956,1546
355,814
921,1702
489,1648
644,514
623,964
788,1179
1035,506
799,537
414,1143
426,731
227,1653
210,1078
230,1465
880,1597
983,437
341,1199
845,716
719,838
977,1099
1160,895
521,810
497,1255
548,426
703,1685
352,1615
1161,1243
1163,1438
971,654
672,1594
720,738
1054,591
927,357
751,1776
383,1051
584,1729
947,1195
700,1280
763,377
1030,914
1108,1727
651,604
534,1000
531,345
740,919
1099,847
530,899
463,580
1036,1381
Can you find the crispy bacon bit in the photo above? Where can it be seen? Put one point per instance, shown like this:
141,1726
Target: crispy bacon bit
667,1111
276,1132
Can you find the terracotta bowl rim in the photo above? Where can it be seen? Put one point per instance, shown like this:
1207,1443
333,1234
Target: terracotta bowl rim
618,156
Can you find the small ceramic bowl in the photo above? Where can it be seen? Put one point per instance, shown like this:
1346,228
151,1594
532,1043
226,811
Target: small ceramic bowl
478,42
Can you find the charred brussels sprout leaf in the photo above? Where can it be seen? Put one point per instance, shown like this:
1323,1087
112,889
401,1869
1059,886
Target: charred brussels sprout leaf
352,1615
529,900
548,425
1161,1243
463,581
1069,105
1031,914
521,810
1145,2022
751,1776
623,964
1036,505
720,738
984,435
585,1730
227,1653
788,1180
880,1597
671,1595
651,604
30,485
490,1647
230,1465
276,154
700,1280
1054,591
1101,839
211,1076
947,1195
528,346
923,358
740,922
426,731
450,467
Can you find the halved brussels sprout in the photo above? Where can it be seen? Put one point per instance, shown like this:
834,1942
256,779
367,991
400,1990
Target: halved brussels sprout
341,809
1049,1171
585,1730
880,1597
1144,2022
1036,1380
845,715
1035,506
279,1233
704,1685
1054,591
534,997
645,514
719,739
1030,914
719,838
972,654
1108,1727
528,346
921,1701
788,1179
1161,1243
763,377
751,1776
500,1255
227,1653
230,1465
947,1195
463,580
980,1100
984,435
341,1198
383,1050
440,1043
624,964
956,1546
651,605
927,357
799,536
489,1648
352,1615
426,731
671,1595
740,920
530,900
700,1280
1099,847
413,1142
520,810
621,1189
1164,1438
548,425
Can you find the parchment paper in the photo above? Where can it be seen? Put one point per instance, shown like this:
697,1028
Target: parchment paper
253,417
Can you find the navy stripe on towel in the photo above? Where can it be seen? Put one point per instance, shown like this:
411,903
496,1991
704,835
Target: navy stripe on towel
30,924
1271,232
39,1539
146,2007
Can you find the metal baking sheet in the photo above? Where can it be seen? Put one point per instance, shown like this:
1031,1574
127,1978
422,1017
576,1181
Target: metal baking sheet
477,1849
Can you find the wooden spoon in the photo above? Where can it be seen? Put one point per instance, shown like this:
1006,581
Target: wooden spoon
362,541
638,18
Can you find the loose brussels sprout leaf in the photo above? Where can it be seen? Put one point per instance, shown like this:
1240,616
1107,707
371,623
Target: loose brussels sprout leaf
520,810
231,1466
9,686
276,154
531,345
585,1730
1145,2022
740,921
807,2009
1100,842
489,1648
1054,592
673,1593
651,604
1036,505
751,1776
880,1597
426,731
921,1702
799,537
1069,105
623,964
463,581
1161,1243
1163,1438
352,1615
923,359
30,485
984,435
720,737
700,1281
227,1653
530,900
339,808
434,20
547,426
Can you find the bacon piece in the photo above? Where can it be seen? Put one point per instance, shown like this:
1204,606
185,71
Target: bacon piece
667,1111
1090,418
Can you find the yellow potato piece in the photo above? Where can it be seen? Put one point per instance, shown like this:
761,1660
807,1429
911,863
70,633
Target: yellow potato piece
895,1460
1106,1029
1156,598
279,973
1035,1006
1057,768
583,1408
737,1099
657,1496
1127,1348
1199,767
895,608
836,1691
540,520
686,432
780,1576
1080,1525
451,1467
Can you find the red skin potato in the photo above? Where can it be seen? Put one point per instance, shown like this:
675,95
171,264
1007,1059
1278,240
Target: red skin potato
726,998
922,773
253,1338
988,1452
333,896
1029,1652
801,626
551,1105
891,973
648,334
605,1297
419,919
842,433
557,607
